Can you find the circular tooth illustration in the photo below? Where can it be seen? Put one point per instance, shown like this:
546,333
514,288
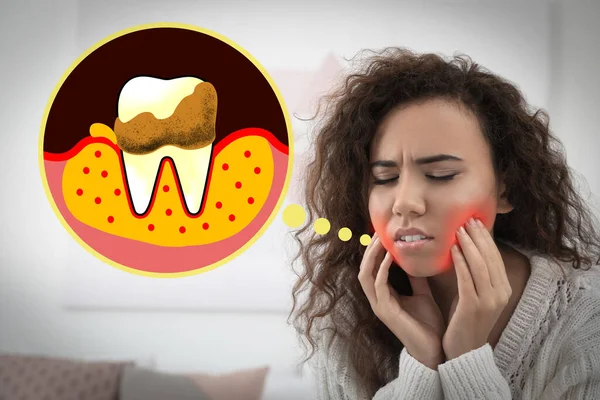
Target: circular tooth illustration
173,170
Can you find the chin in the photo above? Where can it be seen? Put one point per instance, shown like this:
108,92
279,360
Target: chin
422,273
418,269
425,267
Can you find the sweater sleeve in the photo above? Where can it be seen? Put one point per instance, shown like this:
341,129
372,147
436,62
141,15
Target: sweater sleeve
474,375
335,381
589,390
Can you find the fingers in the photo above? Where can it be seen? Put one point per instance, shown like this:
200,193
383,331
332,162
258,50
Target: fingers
395,294
382,288
489,274
366,276
463,276
493,258
474,261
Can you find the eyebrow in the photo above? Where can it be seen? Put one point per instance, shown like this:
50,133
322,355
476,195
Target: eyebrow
418,161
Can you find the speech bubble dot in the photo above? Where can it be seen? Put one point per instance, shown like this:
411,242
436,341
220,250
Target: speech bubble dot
365,240
322,226
345,234
294,215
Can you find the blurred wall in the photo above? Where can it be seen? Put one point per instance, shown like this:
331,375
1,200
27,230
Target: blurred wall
574,89
550,49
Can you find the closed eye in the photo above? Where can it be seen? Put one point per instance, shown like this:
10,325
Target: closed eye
431,177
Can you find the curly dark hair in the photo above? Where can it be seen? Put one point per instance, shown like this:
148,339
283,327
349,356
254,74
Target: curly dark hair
549,215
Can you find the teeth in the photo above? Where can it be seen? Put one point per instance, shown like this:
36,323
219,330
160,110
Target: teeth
157,96
166,118
192,169
412,238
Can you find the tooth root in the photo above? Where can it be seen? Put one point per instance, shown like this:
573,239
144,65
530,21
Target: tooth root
192,168
141,172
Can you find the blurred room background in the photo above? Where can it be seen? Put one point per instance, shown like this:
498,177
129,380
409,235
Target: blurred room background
58,300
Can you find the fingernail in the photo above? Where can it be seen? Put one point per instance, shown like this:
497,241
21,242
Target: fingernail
480,223
462,230
472,221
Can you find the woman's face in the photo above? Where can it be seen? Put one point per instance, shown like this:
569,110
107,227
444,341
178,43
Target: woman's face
403,192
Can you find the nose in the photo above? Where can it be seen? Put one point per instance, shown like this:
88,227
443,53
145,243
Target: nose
409,196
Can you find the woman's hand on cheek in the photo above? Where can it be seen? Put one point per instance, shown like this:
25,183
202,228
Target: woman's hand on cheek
483,291
415,320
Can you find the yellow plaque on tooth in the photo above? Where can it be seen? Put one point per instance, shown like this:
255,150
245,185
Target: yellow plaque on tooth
153,123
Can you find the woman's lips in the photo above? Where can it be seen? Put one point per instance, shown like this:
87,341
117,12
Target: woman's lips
413,246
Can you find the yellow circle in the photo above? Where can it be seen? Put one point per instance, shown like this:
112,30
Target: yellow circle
322,226
294,215
96,130
365,240
345,234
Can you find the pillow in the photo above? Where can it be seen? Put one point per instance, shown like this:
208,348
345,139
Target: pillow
144,384
31,377
247,384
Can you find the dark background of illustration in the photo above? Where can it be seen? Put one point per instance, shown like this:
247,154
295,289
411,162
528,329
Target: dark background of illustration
90,93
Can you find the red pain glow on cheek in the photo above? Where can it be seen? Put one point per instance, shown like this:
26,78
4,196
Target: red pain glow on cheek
459,219
445,238
462,218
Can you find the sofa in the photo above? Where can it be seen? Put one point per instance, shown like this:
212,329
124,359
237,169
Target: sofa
27,377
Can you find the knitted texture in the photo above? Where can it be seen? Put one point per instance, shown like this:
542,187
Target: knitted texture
550,349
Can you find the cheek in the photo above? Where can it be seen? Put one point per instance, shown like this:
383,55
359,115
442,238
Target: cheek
379,212
446,216
482,209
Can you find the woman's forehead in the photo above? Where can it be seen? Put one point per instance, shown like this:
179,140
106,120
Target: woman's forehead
427,129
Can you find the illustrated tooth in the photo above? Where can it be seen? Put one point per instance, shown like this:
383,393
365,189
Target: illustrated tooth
160,118
192,168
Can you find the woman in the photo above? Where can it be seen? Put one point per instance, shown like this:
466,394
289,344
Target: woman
413,148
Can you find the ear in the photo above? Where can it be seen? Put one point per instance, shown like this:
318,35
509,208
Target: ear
504,206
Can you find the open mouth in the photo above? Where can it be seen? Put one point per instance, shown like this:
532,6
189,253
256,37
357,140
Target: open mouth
413,244
414,238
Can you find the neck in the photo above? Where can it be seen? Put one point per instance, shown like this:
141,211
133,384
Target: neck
444,288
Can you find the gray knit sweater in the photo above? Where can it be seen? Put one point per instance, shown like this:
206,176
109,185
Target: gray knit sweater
550,349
